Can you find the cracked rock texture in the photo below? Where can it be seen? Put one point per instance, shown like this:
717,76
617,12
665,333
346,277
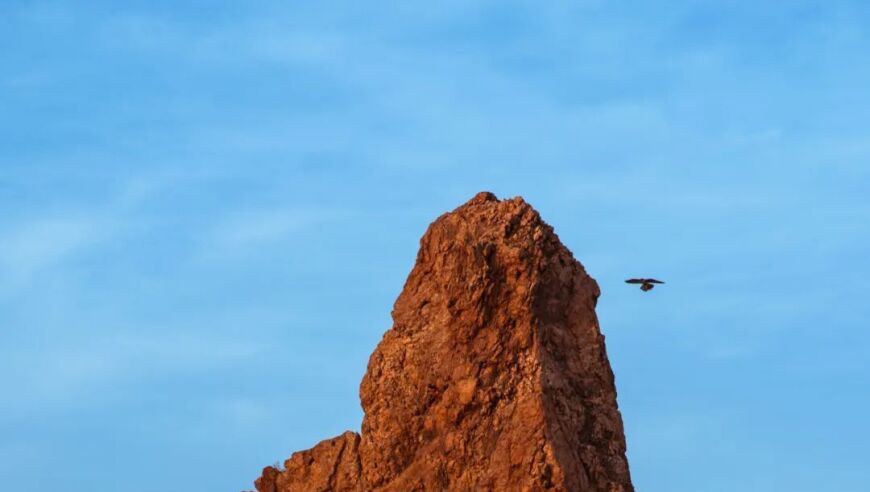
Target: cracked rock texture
494,375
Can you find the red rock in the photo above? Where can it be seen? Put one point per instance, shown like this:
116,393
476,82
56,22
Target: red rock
494,375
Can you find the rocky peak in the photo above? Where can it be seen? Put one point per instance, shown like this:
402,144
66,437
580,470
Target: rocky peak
494,375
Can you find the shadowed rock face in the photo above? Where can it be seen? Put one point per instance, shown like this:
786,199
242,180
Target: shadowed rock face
494,375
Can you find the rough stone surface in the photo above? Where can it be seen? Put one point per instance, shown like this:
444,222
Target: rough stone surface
494,375
331,465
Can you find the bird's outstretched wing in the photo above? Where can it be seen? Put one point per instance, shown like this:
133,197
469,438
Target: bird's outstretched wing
635,281
653,281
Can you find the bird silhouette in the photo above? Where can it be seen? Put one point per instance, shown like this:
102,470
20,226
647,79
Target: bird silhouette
645,283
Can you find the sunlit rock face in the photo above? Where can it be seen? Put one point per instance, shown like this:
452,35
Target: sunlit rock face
494,375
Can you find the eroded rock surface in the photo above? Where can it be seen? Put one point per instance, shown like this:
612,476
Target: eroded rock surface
494,375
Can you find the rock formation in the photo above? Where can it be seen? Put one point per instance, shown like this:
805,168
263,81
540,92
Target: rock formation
494,375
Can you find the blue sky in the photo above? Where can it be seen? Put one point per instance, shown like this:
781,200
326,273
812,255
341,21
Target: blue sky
207,210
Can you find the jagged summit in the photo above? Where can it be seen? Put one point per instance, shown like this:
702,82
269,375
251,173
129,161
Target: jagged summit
494,375
483,197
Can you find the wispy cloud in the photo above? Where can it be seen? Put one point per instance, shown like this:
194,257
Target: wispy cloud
244,412
45,242
248,41
245,232
40,241
74,372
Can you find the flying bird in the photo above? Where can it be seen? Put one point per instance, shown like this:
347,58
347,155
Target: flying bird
646,283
